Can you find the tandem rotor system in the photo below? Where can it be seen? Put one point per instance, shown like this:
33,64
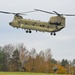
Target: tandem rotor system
55,23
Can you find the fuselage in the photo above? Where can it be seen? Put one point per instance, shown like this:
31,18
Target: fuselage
51,26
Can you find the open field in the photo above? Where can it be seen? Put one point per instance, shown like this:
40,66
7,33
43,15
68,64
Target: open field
26,73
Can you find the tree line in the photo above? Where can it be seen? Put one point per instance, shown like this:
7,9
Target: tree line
19,59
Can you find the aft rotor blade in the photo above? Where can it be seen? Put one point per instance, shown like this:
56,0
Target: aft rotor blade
63,14
44,11
57,13
68,14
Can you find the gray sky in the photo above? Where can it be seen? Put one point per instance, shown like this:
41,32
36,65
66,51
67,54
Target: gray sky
62,45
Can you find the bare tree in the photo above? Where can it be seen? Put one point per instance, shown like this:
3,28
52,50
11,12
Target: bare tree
8,49
48,54
23,54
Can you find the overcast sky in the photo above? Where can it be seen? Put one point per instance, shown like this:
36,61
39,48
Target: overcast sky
62,45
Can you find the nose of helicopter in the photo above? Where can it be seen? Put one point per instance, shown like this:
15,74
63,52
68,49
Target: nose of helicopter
10,23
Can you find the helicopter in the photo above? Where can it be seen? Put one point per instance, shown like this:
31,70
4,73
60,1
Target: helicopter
55,23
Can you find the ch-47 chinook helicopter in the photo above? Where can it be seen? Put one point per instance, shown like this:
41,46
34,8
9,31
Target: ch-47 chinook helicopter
55,23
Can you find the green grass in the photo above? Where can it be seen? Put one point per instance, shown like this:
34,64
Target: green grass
26,73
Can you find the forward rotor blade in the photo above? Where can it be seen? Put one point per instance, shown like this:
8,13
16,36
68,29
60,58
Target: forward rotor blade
7,12
55,13
44,11
28,12
11,13
22,13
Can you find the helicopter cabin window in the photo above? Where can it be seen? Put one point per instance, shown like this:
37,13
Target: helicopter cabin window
18,22
47,26
41,25
33,24
25,23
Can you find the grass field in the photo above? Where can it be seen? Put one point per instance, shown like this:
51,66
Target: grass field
26,73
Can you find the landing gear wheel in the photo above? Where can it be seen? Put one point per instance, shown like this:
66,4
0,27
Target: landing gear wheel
54,33
51,33
30,31
26,31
